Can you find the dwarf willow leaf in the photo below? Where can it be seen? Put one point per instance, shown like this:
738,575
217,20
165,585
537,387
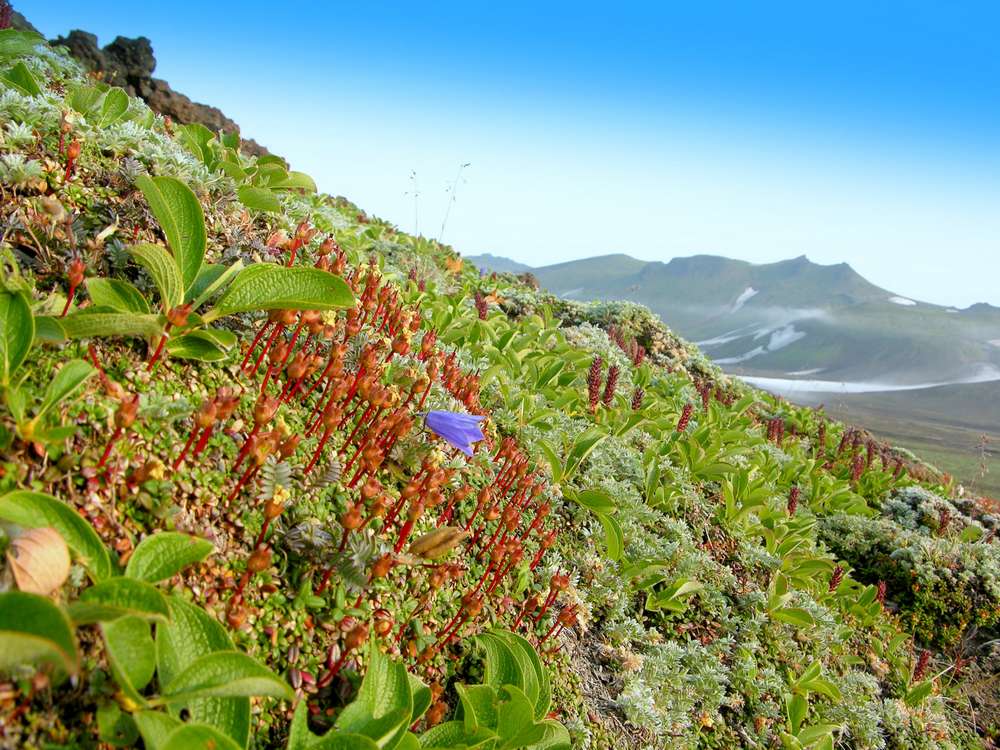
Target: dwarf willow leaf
20,78
68,380
196,346
226,674
212,279
114,106
161,555
17,332
117,294
34,630
259,198
198,737
177,209
164,270
267,286
97,322
155,727
191,634
131,652
36,509
117,597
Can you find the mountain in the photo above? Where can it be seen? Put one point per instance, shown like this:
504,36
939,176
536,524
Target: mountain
792,319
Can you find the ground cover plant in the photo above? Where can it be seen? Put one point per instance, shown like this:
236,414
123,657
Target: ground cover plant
276,474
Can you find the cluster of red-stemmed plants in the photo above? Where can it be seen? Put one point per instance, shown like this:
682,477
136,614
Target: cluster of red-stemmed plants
490,513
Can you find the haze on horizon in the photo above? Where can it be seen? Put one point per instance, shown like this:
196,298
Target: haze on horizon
865,133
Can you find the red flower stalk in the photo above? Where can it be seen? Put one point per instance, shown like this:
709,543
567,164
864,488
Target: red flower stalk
272,318
594,382
611,385
793,500
921,668
899,469
566,618
836,578
72,154
857,468
870,454
75,277
482,499
177,317
472,605
559,582
263,412
529,606
414,514
355,639
880,593
944,519
639,355
284,318
457,496
821,438
259,451
685,418
547,541
331,418
226,402
125,416
482,307
637,396
204,418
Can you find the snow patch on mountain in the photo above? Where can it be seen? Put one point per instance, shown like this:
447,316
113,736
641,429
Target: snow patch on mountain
902,301
780,338
745,295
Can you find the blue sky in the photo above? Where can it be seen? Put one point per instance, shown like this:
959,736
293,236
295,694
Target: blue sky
865,132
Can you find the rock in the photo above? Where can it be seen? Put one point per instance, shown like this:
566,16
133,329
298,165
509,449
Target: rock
130,63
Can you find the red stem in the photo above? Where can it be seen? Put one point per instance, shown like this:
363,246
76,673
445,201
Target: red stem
69,300
111,444
253,345
184,450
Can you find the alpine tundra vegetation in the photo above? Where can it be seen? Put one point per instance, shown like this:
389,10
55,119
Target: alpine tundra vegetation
276,474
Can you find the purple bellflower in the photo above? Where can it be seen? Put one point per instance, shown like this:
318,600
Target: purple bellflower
460,430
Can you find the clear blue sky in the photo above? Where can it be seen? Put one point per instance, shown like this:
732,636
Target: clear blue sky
865,132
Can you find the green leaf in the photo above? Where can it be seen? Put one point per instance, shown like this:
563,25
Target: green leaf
67,381
531,662
452,734
800,618
84,99
421,697
159,556
226,674
96,323
131,652
479,707
49,329
17,332
300,738
34,630
916,695
114,107
177,209
35,509
15,44
115,727
190,634
384,704
554,737
164,270
156,727
196,346
796,707
267,286
212,278
295,181
198,737
117,597
597,501
117,294
20,78
259,198
515,720
614,537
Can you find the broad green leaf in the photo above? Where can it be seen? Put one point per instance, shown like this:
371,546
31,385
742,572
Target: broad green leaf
198,737
34,630
796,708
156,727
452,734
554,737
212,279
385,691
515,720
267,286
84,99
195,346
131,653
226,674
531,661
159,556
116,727
95,323
190,634
177,209
421,697
259,198
67,381
35,509
916,695
20,78
49,329
800,618
114,107
597,501
478,707
614,537
301,738
164,270
17,44
117,294
502,666
17,332
295,181
117,597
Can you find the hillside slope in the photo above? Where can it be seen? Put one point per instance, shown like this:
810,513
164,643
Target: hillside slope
240,477
783,318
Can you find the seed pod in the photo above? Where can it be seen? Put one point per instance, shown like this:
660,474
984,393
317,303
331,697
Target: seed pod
259,560
437,543
356,637
126,413
39,560
383,566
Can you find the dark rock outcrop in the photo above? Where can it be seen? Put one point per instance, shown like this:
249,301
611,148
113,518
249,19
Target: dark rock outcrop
130,63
